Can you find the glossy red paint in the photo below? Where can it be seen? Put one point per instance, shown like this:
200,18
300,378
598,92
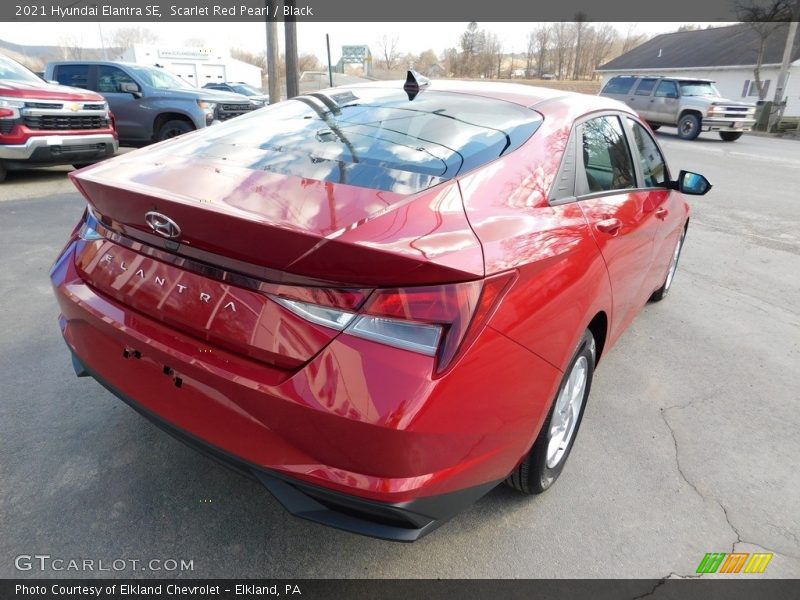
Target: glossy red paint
326,407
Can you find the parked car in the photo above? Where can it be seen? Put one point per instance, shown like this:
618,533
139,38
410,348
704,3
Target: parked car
43,124
691,105
257,97
380,301
150,103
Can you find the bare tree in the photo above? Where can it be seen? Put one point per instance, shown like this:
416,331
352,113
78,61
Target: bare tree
564,40
450,61
470,42
308,62
580,27
543,33
632,39
252,58
603,40
426,61
72,47
763,19
126,37
387,46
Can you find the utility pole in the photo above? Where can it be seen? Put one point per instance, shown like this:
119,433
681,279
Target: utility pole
783,75
273,75
330,71
290,39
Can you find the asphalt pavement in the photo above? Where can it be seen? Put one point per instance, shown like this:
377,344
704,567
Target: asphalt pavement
689,444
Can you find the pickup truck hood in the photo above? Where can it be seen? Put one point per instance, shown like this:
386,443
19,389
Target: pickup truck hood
205,94
45,91
716,100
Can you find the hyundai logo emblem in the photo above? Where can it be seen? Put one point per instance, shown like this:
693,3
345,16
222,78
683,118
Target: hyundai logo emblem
162,225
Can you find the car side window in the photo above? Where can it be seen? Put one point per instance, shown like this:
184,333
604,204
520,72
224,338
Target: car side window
619,85
73,75
667,89
606,157
654,168
109,78
645,87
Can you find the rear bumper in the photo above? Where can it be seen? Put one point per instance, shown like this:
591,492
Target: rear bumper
61,149
360,437
399,522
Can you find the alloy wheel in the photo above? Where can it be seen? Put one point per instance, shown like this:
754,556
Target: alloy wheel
566,412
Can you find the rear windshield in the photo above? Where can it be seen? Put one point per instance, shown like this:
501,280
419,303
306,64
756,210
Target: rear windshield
374,138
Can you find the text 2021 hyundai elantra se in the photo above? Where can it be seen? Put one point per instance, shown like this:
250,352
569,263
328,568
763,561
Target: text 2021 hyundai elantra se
380,300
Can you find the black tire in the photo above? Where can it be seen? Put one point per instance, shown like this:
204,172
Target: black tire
81,165
654,126
173,128
689,127
661,292
730,136
533,475
2,173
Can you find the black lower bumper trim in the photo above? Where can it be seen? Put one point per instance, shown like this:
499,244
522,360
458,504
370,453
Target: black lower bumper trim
400,522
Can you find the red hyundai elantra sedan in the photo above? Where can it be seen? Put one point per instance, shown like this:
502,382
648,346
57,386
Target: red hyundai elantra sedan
380,300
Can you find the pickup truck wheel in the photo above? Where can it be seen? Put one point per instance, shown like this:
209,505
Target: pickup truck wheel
654,127
540,469
689,127
730,136
172,129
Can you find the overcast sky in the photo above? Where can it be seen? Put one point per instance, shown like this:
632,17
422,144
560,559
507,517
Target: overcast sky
413,37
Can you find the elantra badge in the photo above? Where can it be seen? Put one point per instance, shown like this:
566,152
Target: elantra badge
162,225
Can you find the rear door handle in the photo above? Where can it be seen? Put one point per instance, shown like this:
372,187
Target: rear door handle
662,213
609,226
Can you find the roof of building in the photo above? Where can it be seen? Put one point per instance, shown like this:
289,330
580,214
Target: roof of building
718,47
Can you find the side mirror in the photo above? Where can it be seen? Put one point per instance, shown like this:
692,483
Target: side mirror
691,183
129,87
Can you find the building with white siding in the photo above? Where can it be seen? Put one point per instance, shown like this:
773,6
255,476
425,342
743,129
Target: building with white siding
197,66
726,55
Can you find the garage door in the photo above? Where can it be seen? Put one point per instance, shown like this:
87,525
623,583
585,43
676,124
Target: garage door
185,71
211,74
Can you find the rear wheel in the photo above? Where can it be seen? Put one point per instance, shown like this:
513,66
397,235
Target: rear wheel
654,126
172,129
2,173
546,460
673,266
730,136
689,127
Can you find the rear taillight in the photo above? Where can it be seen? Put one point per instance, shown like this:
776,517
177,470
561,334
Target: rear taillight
433,320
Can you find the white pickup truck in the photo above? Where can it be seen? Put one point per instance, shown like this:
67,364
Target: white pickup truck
691,105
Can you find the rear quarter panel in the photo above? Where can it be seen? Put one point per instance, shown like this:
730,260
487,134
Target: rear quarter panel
563,281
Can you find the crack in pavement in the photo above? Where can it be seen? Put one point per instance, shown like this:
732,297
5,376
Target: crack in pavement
663,413
663,580
739,540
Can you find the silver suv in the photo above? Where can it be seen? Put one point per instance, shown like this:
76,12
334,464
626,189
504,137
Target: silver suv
691,105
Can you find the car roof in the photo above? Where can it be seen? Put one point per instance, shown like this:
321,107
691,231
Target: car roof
671,78
542,99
